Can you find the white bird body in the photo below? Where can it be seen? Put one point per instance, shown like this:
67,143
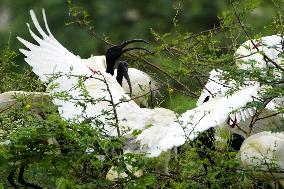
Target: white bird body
87,95
248,56
142,84
264,151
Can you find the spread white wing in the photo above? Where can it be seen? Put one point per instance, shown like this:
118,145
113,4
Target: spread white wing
187,127
214,87
50,59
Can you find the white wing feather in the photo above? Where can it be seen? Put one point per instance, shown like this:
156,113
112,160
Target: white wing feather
140,81
167,131
214,87
211,114
50,57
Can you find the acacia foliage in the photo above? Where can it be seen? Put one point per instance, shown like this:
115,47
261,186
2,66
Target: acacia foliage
185,60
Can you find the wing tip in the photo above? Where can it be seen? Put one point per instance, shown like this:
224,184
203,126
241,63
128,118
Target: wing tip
32,12
19,38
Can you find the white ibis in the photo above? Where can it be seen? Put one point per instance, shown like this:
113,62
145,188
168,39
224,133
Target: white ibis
82,94
52,51
264,153
260,53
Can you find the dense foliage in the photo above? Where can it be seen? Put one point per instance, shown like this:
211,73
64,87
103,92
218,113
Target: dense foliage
53,153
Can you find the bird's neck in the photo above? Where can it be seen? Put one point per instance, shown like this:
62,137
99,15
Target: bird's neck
119,78
110,66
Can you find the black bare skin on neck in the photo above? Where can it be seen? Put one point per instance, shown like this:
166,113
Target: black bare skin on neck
122,68
236,141
122,72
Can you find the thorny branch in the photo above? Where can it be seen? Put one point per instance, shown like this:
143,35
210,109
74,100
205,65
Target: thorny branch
189,92
255,46
256,115
85,26
113,106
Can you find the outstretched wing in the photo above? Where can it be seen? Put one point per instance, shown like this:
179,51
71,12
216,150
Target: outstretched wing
50,57
79,92
215,86
211,114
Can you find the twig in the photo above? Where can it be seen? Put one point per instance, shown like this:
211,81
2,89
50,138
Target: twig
272,115
189,92
255,46
113,106
255,116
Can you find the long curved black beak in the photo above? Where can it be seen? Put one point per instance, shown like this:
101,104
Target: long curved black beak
135,48
122,71
124,44
114,52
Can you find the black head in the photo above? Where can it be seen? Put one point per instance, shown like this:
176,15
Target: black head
114,53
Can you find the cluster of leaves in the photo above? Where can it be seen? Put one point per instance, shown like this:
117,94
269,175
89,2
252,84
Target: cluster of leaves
15,77
59,154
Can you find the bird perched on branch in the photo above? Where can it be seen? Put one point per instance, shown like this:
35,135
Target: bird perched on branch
52,50
82,94
263,53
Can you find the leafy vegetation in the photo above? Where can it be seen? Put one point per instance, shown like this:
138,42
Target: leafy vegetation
58,154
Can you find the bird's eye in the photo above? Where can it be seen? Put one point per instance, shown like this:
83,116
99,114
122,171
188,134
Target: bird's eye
206,99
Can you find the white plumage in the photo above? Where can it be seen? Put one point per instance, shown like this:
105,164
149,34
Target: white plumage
216,87
52,51
89,96
248,56
192,122
265,152
142,84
